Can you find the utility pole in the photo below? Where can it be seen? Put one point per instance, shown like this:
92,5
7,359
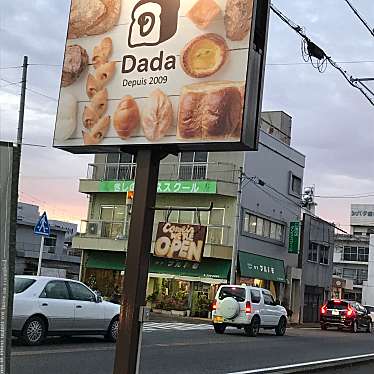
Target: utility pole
235,248
13,216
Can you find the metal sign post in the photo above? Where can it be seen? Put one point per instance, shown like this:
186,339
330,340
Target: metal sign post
43,229
137,263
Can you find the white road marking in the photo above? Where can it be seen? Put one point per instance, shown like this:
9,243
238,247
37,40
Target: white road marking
305,364
179,326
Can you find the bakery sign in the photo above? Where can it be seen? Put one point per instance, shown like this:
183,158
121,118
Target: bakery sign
180,241
143,73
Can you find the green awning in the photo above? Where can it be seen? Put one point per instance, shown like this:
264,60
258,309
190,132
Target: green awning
208,268
261,267
106,260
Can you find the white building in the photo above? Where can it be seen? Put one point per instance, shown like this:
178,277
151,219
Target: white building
362,219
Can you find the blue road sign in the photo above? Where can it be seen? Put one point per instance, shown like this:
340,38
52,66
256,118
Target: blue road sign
42,227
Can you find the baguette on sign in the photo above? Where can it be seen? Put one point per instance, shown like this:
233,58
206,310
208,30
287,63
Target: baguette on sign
180,241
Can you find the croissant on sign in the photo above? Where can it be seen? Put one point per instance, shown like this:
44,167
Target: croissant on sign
97,133
158,116
102,52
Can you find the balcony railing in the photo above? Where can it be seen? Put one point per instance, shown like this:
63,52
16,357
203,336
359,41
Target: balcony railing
216,234
219,171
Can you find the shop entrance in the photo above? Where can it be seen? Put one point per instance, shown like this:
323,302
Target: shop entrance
313,299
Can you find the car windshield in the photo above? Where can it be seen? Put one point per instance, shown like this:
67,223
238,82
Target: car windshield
337,304
22,284
238,293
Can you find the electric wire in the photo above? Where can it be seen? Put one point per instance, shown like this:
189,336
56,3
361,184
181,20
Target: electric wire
312,53
365,23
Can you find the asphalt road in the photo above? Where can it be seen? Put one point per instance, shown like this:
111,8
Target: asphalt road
195,351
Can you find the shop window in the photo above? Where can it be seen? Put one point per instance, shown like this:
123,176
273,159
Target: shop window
263,227
324,255
255,296
113,219
295,185
193,165
313,252
50,243
120,166
363,254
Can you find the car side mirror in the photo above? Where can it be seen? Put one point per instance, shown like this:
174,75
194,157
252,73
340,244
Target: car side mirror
98,297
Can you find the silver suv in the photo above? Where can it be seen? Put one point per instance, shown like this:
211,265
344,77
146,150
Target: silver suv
249,307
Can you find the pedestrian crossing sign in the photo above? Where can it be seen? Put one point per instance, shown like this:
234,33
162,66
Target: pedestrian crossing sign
42,227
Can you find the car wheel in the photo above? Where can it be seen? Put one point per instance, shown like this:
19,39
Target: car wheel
323,327
219,328
112,333
354,327
280,330
34,331
253,328
370,327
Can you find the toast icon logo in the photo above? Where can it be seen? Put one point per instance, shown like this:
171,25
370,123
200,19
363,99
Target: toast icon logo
153,22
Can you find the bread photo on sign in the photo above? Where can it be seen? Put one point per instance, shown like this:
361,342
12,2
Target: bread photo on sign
126,117
75,63
93,17
238,19
211,111
157,116
203,13
204,55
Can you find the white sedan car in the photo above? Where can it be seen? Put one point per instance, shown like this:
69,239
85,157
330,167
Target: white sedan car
54,306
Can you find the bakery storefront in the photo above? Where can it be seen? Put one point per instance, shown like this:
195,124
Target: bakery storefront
184,286
262,271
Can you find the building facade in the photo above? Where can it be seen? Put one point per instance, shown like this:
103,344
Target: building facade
271,200
196,180
316,261
362,219
58,258
351,256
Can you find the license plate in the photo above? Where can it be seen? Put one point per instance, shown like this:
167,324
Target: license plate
218,319
335,312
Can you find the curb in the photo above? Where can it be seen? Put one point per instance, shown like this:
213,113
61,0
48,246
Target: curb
316,366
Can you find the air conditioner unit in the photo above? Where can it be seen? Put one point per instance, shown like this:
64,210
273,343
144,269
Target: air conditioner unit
92,228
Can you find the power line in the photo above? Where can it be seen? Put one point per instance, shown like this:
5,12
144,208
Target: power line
318,58
9,84
358,196
10,67
355,11
305,63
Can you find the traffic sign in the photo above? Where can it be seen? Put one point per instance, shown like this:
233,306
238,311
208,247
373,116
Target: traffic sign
42,227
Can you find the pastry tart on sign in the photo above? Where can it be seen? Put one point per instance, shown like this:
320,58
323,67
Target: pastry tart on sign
204,55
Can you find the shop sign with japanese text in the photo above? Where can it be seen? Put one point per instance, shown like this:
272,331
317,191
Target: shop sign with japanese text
294,238
207,187
180,241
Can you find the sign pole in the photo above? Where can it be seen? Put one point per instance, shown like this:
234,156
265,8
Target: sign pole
40,255
137,263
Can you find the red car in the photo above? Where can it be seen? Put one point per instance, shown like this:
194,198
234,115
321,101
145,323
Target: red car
345,314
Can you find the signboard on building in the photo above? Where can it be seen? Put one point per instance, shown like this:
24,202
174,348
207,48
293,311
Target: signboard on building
180,241
143,73
294,237
180,187
362,215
